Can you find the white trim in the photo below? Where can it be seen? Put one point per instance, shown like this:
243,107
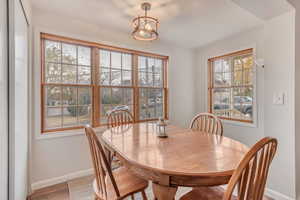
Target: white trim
277,195
61,179
67,133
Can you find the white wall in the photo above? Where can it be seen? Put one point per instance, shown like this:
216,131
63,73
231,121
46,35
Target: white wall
275,44
56,157
18,107
280,120
296,4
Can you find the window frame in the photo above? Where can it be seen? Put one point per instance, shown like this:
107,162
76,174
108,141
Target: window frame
211,86
95,82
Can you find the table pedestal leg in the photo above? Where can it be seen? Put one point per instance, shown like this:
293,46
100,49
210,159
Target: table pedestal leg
164,192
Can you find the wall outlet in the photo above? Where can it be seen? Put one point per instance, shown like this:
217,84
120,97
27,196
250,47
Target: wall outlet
278,98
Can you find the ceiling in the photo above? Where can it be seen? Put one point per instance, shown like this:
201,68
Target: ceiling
186,23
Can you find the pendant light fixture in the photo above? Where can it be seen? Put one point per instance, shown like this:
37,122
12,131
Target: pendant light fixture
145,27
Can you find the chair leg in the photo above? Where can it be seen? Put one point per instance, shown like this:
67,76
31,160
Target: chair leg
144,195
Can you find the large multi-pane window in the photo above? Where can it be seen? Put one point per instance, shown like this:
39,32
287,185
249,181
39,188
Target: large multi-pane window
83,82
231,85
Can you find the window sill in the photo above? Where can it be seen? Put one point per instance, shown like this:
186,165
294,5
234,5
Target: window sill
237,123
68,133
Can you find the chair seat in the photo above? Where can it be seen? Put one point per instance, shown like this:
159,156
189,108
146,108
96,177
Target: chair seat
127,184
208,193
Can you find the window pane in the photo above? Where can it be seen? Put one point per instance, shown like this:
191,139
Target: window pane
70,116
84,115
159,110
127,96
115,99
221,102
84,56
69,73
69,96
115,77
151,106
116,95
248,62
248,76
218,66
158,66
151,64
52,51
143,78
106,96
150,79
243,102
222,79
127,59
226,65
84,96
104,58
53,118
104,76
116,60
105,109
238,64
53,95
238,77
157,80
126,78
69,53
53,73
84,75
142,63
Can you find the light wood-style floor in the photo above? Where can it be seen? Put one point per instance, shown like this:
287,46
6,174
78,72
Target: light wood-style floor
81,189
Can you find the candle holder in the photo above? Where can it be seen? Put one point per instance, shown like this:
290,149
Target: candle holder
161,128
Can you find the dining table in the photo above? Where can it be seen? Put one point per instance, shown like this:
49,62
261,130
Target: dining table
187,157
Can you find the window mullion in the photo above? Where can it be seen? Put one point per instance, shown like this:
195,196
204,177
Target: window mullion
135,81
96,91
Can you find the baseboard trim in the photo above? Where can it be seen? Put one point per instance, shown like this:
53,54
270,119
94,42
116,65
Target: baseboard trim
61,179
277,195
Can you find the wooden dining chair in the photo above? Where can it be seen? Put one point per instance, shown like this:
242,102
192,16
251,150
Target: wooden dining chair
111,185
249,178
207,122
119,117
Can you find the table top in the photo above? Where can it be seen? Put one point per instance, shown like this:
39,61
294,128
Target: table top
184,152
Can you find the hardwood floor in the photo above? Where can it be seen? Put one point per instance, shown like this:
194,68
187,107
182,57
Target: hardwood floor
81,189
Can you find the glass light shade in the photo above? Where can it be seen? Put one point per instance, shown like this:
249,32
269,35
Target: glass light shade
145,28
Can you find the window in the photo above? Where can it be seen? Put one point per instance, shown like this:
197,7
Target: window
231,94
82,82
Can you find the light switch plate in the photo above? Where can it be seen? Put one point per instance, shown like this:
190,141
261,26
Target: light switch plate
278,98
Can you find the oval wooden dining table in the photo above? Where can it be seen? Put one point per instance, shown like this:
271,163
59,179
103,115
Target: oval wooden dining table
185,158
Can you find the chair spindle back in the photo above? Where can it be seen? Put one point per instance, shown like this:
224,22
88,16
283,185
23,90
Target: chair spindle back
100,163
251,175
118,118
207,122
